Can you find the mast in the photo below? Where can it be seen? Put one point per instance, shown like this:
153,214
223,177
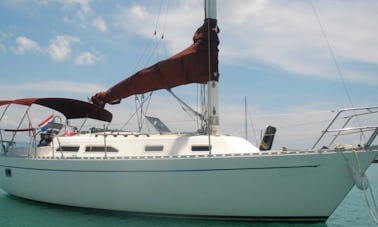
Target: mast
212,85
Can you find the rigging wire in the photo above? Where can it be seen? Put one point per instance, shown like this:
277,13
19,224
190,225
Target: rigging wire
132,115
209,125
151,48
254,134
165,20
201,106
155,38
341,76
209,79
332,55
373,211
154,34
188,109
143,111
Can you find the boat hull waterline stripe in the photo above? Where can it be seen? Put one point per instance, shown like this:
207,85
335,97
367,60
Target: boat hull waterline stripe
160,171
233,218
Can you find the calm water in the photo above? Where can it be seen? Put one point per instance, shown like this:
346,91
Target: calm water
352,211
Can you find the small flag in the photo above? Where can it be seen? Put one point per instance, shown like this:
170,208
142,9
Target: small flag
44,124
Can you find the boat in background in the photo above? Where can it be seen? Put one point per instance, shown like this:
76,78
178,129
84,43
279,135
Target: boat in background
201,174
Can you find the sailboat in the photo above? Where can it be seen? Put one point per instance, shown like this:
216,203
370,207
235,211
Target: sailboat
201,174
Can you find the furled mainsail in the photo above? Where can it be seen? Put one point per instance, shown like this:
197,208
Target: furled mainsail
189,66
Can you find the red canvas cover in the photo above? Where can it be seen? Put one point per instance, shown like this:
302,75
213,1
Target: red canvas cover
70,108
5,102
26,101
189,66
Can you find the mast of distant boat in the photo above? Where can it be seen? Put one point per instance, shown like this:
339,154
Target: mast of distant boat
212,86
245,118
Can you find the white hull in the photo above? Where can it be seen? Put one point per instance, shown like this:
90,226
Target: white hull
265,185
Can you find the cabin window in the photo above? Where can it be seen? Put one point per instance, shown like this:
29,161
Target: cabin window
200,148
68,148
100,149
154,148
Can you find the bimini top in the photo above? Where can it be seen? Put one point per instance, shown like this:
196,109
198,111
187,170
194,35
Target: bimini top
70,108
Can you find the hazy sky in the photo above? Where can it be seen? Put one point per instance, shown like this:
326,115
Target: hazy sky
272,52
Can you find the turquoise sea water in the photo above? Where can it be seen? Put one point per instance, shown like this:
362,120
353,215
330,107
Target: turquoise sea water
353,211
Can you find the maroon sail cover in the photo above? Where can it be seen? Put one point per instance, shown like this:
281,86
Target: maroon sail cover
189,66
